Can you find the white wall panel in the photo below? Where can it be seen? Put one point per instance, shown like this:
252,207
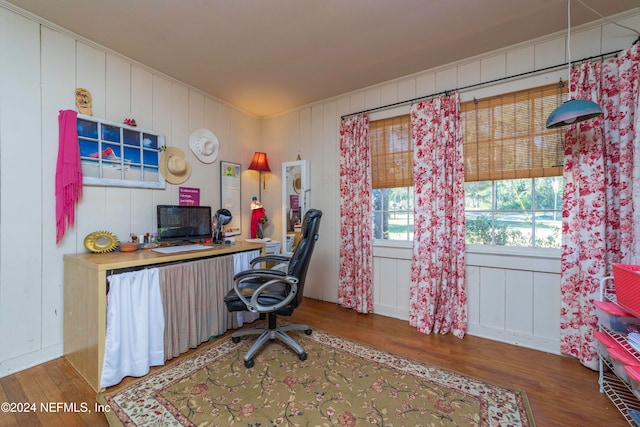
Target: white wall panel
162,102
406,89
304,143
142,219
118,89
519,301
493,304
493,67
468,74
546,305
325,183
372,98
356,102
21,187
317,288
472,273
550,53
389,93
92,210
615,37
520,60
583,43
90,74
199,170
58,85
119,208
425,84
142,97
446,79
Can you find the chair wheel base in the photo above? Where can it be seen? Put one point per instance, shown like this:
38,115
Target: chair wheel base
302,356
308,331
235,340
249,363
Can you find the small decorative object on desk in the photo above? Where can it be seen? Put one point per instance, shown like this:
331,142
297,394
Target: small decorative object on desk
130,122
101,242
128,246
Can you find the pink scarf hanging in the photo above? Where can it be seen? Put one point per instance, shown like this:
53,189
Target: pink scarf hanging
68,172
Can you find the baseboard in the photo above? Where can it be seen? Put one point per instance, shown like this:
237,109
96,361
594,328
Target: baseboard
508,337
29,360
390,311
536,343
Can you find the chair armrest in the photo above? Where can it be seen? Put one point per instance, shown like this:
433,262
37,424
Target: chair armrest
272,257
259,273
272,277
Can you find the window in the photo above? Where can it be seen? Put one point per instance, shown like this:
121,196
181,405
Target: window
392,178
513,171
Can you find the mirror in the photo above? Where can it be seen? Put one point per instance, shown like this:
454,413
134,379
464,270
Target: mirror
295,190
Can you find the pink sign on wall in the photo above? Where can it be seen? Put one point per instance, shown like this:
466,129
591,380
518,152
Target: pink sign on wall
189,196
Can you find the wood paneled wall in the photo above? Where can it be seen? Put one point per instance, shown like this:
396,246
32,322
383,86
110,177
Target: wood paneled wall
40,67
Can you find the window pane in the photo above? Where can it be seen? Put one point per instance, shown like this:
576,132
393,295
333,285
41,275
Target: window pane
548,229
393,213
478,228
477,195
549,193
513,229
513,194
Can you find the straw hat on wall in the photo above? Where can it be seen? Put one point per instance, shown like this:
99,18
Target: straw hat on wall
173,166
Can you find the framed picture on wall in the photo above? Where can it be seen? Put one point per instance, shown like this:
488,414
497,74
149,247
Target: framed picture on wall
119,155
230,194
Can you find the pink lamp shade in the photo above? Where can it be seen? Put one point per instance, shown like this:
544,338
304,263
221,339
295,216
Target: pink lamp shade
259,162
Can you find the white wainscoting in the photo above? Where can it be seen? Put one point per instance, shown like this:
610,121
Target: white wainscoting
513,294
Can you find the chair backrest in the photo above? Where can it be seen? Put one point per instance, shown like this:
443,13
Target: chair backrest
299,263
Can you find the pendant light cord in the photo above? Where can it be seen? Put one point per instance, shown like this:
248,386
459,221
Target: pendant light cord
569,45
607,19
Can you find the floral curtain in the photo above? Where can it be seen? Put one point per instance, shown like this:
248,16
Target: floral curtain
598,206
438,297
355,283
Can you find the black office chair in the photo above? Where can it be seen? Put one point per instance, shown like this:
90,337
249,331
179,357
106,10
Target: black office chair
275,292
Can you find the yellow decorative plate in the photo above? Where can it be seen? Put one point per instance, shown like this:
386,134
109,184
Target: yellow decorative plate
100,242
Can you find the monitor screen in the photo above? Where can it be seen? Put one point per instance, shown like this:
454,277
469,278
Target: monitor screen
183,223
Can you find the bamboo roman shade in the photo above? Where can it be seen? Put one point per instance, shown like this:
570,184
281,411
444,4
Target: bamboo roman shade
505,136
391,152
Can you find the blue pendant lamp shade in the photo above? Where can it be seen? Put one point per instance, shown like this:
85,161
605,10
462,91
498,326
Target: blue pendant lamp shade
573,111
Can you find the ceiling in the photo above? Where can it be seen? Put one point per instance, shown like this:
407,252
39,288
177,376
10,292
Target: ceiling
269,56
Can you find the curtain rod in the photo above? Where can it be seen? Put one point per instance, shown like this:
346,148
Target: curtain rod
445,92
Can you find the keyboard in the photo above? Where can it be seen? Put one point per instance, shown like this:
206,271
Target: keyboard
178,249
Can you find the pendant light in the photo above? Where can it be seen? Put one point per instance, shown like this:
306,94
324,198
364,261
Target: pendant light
574,110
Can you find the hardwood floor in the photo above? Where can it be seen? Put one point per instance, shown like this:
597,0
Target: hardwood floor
561,392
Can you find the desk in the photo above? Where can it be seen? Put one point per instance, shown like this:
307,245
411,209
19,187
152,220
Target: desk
85,289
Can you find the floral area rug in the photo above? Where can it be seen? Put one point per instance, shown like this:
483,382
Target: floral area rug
342,383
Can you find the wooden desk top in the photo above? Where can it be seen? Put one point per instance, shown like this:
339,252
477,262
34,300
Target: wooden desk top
145,257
